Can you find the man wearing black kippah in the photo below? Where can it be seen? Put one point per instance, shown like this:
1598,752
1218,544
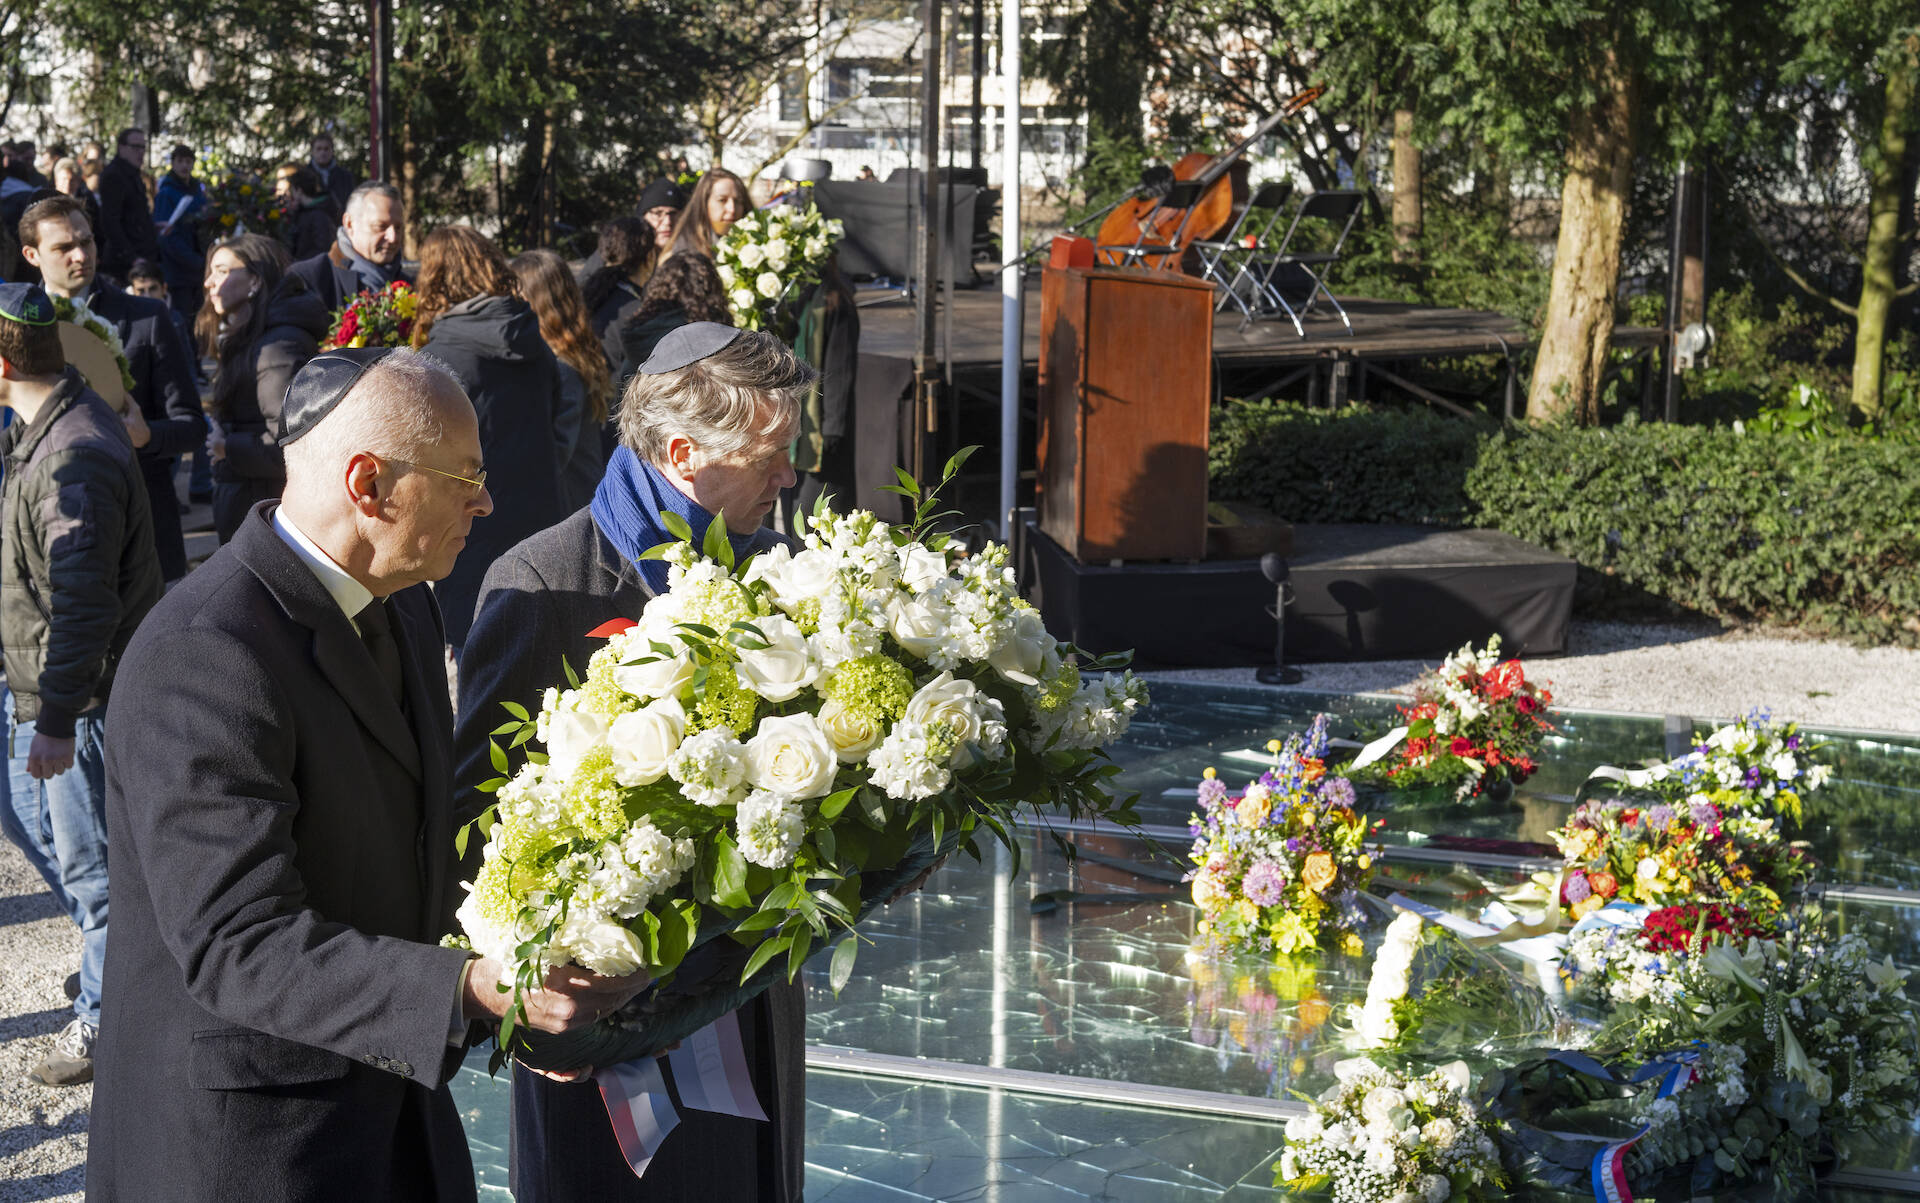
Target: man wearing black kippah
281,1020
77,574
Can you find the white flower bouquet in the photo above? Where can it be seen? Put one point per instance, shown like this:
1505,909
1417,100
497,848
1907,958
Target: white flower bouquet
772,750
769,257
1383,1137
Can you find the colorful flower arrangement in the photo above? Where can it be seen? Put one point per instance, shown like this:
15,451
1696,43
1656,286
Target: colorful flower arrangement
238,202
1751,764
769,258
1381,1136
375,319
769,734
1281,866
1635,957
1665,854
1475,721
1824,1045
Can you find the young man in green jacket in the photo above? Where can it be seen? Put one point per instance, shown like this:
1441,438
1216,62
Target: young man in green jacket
78,572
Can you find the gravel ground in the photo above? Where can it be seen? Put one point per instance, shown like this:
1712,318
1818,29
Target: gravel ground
1691,670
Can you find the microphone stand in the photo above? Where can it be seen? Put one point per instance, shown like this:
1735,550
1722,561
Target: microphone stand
1274,568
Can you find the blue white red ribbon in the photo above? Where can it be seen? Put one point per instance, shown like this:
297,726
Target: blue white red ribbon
1675,1070
710,1073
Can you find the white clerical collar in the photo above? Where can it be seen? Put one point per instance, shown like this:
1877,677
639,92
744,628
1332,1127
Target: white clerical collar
350,595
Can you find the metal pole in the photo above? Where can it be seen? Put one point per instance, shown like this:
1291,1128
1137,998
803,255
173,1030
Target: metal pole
1012,264
925,378
979,69
1676,291
379,115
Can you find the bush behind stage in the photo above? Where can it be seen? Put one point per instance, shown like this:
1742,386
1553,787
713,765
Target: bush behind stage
1820,534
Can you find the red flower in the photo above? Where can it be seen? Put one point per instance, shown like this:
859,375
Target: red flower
1604,884
1526,704
1629,817
1461,746
1493,756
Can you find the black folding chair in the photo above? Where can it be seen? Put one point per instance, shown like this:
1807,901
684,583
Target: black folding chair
1289,269
1229,261
1180,199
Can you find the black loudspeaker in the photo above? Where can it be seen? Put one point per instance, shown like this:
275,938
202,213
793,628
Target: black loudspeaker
144,112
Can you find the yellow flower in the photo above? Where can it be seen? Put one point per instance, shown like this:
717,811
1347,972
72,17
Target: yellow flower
404,305
1365,862
246,190
359,340
1351,945
1253,808
1586,906
1206,892
1273,745
1318,872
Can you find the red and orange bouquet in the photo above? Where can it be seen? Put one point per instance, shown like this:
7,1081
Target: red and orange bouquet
375,319
1475,721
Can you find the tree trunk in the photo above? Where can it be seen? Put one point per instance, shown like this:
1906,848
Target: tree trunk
1883,236
1586,262
1406,189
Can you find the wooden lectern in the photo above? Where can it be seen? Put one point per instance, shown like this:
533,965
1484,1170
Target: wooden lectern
1126,361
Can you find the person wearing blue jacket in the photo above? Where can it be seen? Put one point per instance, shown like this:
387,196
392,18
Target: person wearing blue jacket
181,262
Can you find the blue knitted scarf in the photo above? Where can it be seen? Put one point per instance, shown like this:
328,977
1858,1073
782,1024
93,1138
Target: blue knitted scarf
627,507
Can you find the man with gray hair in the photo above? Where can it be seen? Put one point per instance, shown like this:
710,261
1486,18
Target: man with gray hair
366,252
280,828
704,429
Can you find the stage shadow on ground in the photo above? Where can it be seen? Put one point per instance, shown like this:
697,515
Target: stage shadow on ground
34,1023
28,908
34,1187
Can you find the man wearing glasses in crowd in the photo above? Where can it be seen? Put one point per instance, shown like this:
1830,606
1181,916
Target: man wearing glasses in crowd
128,232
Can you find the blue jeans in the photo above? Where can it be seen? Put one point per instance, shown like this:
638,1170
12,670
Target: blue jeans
61,824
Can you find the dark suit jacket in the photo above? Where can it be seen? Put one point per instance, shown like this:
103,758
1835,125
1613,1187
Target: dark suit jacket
277,1013
126,229
163,384
536,605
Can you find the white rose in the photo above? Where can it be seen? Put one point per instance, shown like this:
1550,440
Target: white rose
606,948
920,568
813,573
972,716
644,739
1647,869
852,734
571,735
1024,652
767,285
741,299
1440,1132
915,625
777,251
816,248
1380,1104
779,671
661,677
791,755
726,273
751,255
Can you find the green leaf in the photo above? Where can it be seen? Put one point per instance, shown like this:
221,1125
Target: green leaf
573,678
503,728
769,948
823,840
678,928
760,921
842,967
460,840
491,785
715,546
729,872
960,457
797,952
676,526
906,480
498,756
834,803
516,710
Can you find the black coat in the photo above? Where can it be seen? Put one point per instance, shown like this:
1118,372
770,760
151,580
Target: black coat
313,230
277,1010
254,468
493,345
126,229
162,365
538,603
607,319
331,278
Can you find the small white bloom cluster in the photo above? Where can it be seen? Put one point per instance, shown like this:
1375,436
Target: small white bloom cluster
770,252
1610,962
1463,706
1392,969
1381,1136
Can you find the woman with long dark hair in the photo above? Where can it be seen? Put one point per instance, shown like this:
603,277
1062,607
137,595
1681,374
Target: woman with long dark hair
628,252
585,383
686,287
718,200
470,316
261,325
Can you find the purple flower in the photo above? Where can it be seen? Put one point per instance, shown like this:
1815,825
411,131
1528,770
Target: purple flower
1753,777
1660,816
1338,791
1793,742
1293,845
1704,814
1213,791
1577,890
1264,883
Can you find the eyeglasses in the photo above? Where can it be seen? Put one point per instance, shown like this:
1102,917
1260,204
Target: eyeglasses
474,483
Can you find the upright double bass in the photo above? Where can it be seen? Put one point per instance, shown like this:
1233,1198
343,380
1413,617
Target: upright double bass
1223,192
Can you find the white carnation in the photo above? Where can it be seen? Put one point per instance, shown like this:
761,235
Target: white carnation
771,828
711,767
904,767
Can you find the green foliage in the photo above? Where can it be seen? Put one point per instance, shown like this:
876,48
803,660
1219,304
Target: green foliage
1355,464
1471,257
1745,526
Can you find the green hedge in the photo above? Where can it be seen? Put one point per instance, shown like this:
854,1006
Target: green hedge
1354,464
1749,527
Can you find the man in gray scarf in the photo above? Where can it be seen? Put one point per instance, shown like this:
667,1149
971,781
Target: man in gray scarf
365,256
